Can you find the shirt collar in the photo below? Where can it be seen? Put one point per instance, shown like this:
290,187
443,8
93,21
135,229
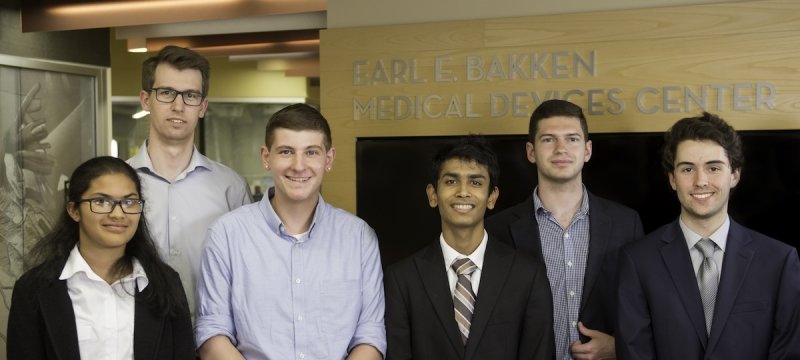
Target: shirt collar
451,254
582,211
719,236
142,161
77,264
276,225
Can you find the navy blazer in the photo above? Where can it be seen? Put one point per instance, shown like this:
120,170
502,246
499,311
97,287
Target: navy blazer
611,226
512,318
41,323
756,316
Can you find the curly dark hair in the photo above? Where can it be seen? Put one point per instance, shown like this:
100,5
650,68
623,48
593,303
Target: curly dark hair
704,127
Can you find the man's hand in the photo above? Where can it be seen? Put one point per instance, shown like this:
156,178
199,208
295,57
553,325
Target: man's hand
601,345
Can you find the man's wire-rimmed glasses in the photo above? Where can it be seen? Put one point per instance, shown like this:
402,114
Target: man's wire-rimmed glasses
103,205
167,95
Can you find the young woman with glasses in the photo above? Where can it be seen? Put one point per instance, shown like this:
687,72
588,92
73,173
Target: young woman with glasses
98,289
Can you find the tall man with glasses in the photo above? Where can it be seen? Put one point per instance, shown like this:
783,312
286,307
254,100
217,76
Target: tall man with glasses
187,191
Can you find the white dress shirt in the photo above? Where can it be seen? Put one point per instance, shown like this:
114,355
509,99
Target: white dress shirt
104,314
451,255
720,237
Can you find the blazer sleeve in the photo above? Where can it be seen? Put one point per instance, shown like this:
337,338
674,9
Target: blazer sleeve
537,332
786,334
26,335
634,335
398,329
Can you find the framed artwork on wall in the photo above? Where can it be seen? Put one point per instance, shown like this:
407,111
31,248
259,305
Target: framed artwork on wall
53,116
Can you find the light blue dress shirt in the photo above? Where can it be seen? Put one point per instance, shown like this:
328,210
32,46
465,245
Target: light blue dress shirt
277,297
179,212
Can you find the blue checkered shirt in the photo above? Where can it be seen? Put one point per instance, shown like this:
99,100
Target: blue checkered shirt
565,253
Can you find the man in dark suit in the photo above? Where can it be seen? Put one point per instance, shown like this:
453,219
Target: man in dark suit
577,234
467,296
703,286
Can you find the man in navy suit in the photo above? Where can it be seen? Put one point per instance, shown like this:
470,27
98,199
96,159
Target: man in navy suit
577,234
704,286
499,308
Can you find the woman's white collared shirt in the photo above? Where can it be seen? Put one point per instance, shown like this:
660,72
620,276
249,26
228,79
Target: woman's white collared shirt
104,314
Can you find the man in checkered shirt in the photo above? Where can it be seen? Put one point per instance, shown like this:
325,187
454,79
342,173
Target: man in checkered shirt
576,233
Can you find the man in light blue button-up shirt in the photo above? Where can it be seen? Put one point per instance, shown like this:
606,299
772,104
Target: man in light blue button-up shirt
292,277
185,190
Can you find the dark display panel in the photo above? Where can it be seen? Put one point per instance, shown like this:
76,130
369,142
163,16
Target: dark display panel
392,174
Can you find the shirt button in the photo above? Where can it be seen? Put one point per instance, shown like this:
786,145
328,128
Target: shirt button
566,235
569,263
299,317
302,356
571,293
173,218
174,252
298,281
574,323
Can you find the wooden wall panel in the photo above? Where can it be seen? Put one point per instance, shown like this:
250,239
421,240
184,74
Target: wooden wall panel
743,55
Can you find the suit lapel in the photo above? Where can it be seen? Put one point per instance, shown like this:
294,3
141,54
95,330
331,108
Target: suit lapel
675,254
735,265
433,275
600,224
525,230
147,328
59,319
496,265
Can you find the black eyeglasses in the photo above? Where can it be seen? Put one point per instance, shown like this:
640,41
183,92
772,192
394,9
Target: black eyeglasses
106,205
167,95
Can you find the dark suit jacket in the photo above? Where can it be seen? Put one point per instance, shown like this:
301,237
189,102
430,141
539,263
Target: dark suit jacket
757,314
512,317
41,323
611,226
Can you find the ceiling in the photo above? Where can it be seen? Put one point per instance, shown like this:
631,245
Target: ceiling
280,35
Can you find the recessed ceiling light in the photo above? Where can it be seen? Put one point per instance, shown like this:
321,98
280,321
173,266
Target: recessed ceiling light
140,114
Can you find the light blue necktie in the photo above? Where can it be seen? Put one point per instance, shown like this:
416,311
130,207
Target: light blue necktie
708,279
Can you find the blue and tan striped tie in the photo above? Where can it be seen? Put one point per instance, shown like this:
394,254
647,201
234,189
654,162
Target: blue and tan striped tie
463,296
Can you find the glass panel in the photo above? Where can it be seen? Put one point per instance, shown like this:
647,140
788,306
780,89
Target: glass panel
127,133
232,133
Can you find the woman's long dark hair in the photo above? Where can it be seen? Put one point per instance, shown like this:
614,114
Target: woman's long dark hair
163,295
